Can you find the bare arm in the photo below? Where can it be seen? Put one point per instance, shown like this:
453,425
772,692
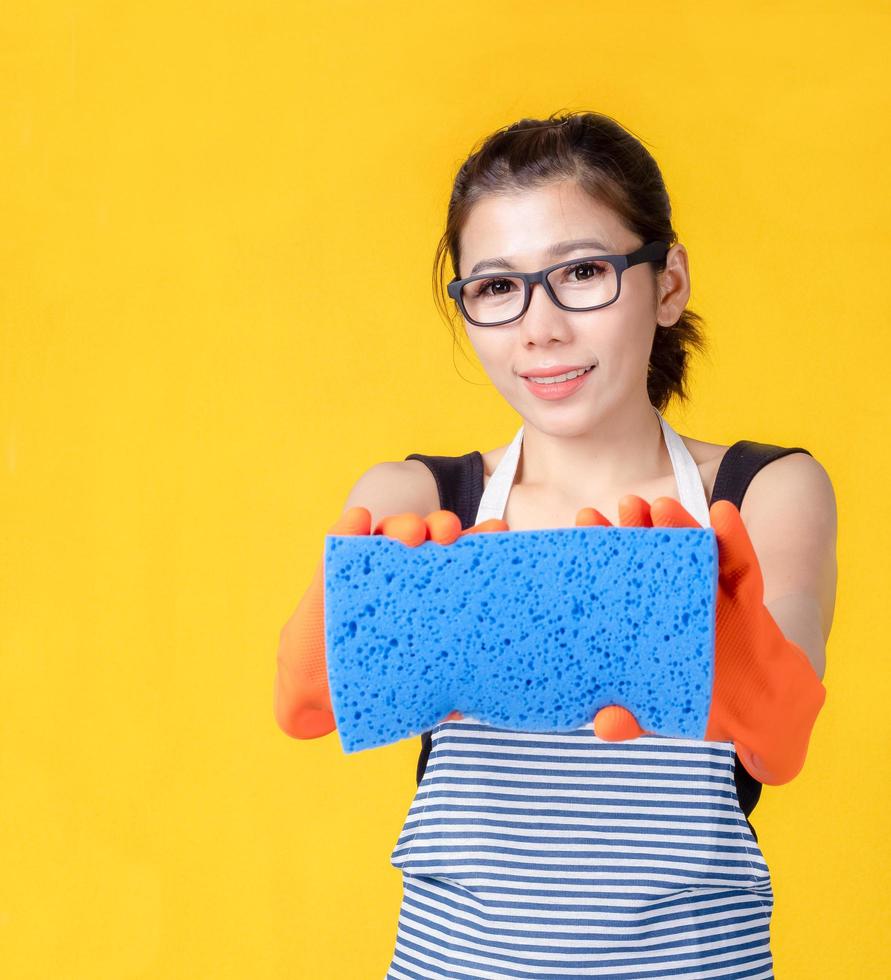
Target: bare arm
791,517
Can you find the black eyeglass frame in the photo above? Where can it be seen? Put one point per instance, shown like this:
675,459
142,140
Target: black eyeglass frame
650,252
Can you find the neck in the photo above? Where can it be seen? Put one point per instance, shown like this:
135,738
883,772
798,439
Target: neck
622,451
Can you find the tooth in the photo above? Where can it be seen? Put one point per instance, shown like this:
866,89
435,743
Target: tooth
569,375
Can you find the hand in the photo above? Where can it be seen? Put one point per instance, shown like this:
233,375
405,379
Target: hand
766,694
441,526
302,700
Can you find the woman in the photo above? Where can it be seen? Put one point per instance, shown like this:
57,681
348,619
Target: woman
607,849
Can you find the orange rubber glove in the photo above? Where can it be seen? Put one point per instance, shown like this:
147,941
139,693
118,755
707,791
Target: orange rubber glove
302,700
766,694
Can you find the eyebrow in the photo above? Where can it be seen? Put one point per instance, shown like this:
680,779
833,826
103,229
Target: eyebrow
560,248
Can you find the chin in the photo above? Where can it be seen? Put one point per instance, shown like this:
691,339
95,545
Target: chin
568,427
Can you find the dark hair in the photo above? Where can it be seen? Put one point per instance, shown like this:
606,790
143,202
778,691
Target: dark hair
613,167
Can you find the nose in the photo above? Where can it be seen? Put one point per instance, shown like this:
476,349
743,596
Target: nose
543,319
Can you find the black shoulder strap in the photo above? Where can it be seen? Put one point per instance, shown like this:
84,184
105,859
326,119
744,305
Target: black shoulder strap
740,464
460,483
459,480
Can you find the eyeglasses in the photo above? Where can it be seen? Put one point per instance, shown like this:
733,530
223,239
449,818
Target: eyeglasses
577,285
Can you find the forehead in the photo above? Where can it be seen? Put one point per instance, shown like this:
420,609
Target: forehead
521,225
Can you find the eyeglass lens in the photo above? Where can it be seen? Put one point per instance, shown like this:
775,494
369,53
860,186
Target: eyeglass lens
578,286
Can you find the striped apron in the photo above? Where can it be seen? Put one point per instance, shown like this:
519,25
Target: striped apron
554,855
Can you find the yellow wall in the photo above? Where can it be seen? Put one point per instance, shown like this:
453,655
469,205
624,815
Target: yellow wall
200,353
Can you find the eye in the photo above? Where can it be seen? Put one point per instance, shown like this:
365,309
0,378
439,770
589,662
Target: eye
589,270
488,287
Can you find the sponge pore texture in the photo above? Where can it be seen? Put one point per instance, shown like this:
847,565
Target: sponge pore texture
522,630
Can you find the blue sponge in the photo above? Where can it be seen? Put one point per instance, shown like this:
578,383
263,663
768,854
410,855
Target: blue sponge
524,630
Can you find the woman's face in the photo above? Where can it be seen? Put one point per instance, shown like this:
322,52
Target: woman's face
617,338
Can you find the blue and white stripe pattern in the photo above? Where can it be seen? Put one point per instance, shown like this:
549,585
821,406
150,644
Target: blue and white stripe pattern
561,855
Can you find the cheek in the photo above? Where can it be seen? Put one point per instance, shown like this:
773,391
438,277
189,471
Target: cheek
493,350
619,335
607,338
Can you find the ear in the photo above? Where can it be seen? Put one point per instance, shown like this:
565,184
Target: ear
673,284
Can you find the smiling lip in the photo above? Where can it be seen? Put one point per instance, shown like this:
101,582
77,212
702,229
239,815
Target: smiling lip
556,390
552,372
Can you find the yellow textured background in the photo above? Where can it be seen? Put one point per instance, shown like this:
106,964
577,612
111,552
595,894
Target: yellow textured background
201,351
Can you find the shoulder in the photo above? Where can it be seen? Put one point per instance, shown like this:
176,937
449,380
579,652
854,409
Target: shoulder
790,506
793,491
790,514
790,502
395,487
406,480
781,484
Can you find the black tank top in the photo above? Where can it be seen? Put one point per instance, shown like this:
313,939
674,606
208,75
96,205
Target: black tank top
459,480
